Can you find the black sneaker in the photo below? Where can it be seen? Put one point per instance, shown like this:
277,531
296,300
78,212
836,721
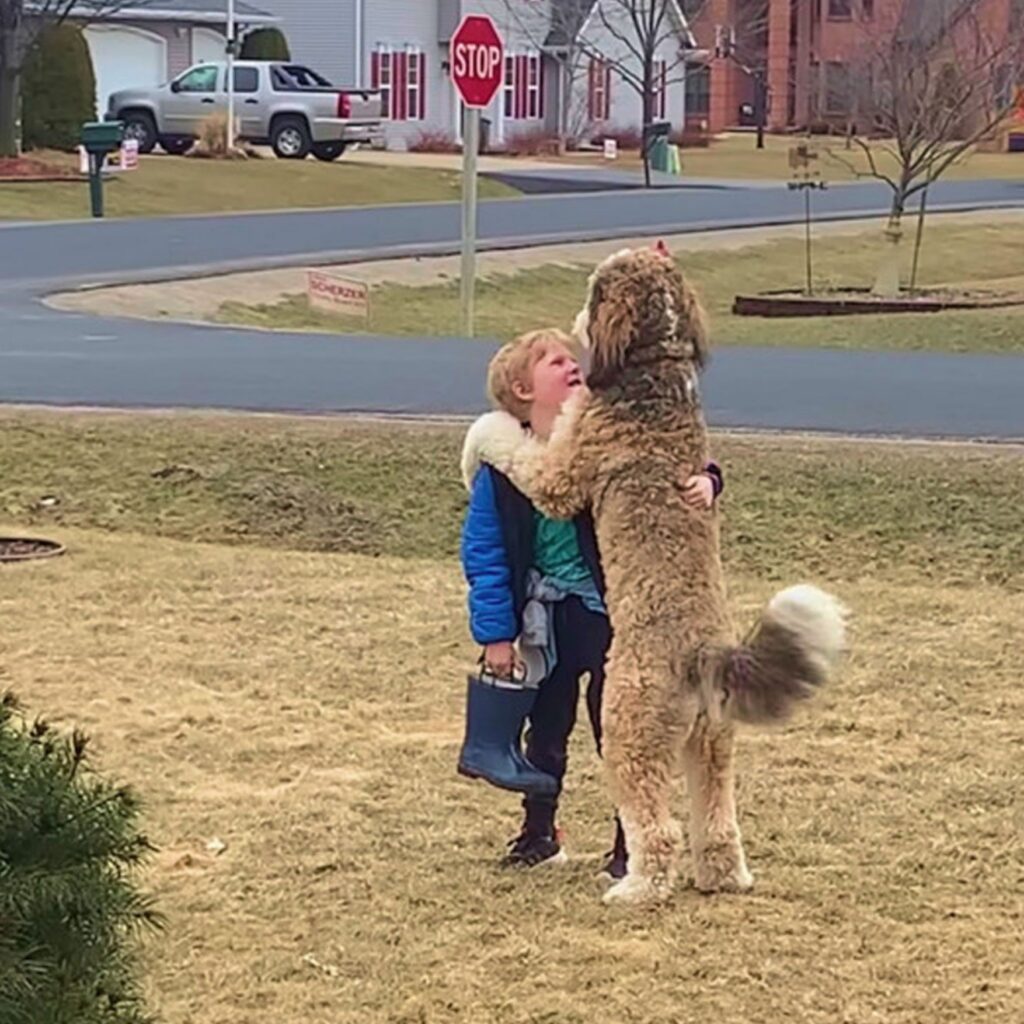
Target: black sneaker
528,850
614,867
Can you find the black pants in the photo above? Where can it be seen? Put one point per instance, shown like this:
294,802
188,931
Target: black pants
581,641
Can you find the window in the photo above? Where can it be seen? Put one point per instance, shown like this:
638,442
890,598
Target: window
201,79
246,79
599,90
837,88
400,75
659,89
840,9
698,91
522,96
867,8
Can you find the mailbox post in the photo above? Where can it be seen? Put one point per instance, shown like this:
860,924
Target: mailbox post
98,139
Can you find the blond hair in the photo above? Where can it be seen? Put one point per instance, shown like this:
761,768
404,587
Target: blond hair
514,362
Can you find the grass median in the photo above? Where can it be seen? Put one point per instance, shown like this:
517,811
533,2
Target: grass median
987,254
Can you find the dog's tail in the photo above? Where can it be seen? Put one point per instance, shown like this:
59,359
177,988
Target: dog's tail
791,652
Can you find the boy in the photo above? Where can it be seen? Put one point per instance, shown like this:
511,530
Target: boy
520,564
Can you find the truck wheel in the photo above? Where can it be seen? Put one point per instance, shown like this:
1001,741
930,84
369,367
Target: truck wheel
140,126
328,151
290,139
176,147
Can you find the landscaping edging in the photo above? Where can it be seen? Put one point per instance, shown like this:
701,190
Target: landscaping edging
24,549
855,302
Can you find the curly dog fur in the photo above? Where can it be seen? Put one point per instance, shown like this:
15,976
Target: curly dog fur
677,681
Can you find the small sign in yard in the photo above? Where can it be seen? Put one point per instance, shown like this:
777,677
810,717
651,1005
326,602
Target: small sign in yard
611,149
129,155
342,296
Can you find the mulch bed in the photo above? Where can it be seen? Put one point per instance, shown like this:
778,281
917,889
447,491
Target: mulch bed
854,301
21,549
28,169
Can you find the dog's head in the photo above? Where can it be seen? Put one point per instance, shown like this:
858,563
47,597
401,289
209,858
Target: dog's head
640,310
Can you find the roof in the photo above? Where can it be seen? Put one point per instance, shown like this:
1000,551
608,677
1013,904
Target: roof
569,17
206,11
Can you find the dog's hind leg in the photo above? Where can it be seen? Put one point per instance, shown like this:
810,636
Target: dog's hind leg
641,755
720,865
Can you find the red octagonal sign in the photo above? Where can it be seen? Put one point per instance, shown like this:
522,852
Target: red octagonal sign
477,57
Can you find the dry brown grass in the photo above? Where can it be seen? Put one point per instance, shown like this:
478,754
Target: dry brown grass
305,709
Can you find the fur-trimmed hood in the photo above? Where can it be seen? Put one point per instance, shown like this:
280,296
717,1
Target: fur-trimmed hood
493,439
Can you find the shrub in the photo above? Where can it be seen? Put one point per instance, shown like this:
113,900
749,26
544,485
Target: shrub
434,142
625,138
70,912
212,143
58,90
532,142
265,44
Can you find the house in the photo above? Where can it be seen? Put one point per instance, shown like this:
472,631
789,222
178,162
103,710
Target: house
148,42
401,46
806,49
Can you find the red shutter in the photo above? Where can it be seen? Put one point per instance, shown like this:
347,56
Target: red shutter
375,71
591,79
422,58
540,86
607,92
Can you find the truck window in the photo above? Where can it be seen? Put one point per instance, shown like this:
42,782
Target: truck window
200,79
246,79
304,77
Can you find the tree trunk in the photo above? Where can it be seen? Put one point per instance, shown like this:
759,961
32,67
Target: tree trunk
887,281
9,82
565,108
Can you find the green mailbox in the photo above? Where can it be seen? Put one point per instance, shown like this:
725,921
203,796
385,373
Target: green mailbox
98,139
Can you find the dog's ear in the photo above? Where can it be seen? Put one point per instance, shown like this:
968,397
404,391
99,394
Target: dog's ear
613,319
694,328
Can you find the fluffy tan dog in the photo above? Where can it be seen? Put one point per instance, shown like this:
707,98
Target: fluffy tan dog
677,681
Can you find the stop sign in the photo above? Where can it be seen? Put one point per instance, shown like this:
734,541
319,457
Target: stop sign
477,57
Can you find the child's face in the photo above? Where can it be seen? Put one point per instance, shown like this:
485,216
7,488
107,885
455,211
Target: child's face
556,375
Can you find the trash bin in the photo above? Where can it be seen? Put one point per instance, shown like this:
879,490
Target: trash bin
485,135
656,144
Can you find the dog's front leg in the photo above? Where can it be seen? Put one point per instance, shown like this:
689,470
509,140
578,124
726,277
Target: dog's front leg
553,474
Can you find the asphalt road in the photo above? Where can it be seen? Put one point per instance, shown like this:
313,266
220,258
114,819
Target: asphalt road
61,358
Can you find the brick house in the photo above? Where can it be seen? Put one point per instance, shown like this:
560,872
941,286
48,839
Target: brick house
806,48
401,46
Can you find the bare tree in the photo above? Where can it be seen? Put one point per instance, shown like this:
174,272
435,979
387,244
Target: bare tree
557,33
635,33
21,23
931,85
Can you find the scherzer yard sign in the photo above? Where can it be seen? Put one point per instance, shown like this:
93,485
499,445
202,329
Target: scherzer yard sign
477,60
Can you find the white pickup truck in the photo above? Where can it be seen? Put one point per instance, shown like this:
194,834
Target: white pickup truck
285,105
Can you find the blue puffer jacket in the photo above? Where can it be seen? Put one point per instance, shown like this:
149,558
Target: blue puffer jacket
497,554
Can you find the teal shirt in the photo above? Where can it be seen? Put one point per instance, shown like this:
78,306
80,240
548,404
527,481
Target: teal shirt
556,550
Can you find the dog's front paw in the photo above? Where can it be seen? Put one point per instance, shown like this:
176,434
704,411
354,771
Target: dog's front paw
724,872
636,890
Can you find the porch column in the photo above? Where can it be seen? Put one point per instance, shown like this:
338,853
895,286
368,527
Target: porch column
722,111
804,56
779,21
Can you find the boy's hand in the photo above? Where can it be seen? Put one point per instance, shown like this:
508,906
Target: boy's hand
699,491
500,659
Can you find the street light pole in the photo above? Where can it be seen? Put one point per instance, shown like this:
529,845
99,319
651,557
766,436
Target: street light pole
231,76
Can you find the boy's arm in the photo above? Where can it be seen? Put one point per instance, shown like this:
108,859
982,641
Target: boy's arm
553,475
486,566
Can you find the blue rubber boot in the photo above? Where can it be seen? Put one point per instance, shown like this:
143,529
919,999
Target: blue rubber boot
491,750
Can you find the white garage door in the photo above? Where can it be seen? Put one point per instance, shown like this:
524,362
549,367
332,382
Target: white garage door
207,46
125,58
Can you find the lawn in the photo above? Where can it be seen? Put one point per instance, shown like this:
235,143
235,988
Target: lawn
953,253
170,185
293,687
736,156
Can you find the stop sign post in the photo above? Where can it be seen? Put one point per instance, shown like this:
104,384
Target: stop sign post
477,60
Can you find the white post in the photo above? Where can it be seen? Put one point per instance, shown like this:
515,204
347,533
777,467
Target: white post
470,145
231,76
